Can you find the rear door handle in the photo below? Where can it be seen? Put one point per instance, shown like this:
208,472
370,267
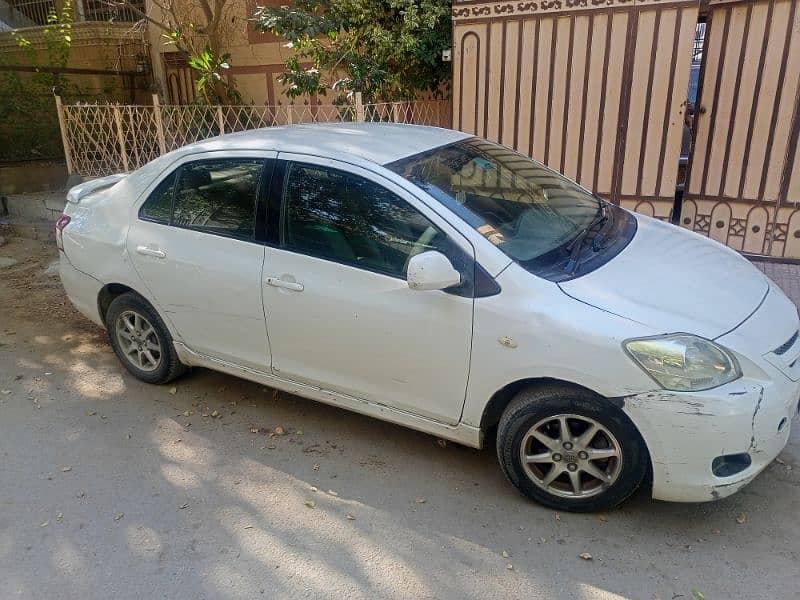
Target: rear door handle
287,285
150,252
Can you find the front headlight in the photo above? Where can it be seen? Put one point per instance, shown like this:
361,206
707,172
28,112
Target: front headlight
683,362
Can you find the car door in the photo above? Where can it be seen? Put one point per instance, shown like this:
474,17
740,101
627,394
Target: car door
194,242
341,315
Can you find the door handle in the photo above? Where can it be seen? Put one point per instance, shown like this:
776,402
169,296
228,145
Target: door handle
150,252
287,285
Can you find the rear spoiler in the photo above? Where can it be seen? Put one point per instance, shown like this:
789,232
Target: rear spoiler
84,189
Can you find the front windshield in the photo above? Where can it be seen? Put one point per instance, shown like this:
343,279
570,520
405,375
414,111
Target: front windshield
519,205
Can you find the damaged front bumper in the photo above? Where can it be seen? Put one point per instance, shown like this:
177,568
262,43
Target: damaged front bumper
685,432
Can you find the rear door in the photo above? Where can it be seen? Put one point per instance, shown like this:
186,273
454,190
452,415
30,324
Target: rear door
194,242
341,315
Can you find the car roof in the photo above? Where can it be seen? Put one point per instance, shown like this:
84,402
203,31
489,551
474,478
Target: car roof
380,143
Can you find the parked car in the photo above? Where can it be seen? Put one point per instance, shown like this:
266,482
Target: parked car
446,283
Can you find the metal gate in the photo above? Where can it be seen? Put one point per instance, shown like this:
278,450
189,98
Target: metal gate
744,172
594,88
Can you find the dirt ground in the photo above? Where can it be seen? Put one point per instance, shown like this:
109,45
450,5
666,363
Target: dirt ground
215,487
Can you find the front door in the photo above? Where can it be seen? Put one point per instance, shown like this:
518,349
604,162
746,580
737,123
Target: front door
193,243
341,315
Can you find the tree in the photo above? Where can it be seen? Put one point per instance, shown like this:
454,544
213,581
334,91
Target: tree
386,49
202,29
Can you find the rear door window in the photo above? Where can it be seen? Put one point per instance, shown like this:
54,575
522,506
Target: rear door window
215,196
218,196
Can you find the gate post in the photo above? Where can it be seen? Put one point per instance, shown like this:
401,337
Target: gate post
162,143
220,121
359,108
121,137
62,126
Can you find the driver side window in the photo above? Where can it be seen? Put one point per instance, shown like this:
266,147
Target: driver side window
347,219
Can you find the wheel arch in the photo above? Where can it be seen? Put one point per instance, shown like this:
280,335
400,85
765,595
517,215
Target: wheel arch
110,291
501,398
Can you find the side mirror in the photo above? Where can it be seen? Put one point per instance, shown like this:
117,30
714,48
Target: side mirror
431,270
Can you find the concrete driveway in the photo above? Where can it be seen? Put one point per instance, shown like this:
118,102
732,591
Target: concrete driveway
220,488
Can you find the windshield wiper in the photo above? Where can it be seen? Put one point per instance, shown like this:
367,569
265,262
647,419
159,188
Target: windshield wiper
574,247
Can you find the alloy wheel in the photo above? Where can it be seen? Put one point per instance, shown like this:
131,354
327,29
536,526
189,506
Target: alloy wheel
571,456
138,341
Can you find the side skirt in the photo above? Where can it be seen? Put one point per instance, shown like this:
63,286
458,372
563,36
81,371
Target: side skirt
461,433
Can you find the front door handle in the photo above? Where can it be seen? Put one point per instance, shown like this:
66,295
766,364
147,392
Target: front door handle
150,252
287,285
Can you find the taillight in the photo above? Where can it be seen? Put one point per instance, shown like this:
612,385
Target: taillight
62,222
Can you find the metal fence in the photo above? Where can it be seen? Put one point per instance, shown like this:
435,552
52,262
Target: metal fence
100,139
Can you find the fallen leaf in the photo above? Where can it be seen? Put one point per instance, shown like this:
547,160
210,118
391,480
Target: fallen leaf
349,517
505,554
215,414
173,390
66,468
603,518
91,413
279,430
310,504
698,595
45,524
254,430
316,467
741,518
248,526
187,413
60,517
585,556
184,505
299,432
420,501
118,516
314,488
5,392
510,567
542,540
333,493
780,461
557,516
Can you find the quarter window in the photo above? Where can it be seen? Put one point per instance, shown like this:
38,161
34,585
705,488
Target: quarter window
158,206
351,220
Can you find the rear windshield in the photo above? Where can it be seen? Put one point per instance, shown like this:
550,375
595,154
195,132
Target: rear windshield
518,204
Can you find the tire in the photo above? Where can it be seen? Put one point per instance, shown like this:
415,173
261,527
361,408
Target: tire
143,332
544,410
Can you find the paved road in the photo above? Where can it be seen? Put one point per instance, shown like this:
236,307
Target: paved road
110,488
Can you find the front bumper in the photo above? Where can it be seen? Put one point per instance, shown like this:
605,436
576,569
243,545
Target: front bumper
685,432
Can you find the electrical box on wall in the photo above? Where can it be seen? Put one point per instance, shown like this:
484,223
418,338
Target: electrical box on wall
447,55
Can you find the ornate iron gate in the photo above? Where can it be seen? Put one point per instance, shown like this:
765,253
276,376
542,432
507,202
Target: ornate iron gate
744,173
595,89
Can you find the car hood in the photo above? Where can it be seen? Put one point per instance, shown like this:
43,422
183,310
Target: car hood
674,280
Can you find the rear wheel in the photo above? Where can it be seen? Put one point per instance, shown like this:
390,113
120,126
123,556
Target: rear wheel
141,341
569,449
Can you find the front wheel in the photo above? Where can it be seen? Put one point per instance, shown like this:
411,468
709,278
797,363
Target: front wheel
570,450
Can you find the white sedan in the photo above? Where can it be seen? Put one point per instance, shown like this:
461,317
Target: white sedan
446,283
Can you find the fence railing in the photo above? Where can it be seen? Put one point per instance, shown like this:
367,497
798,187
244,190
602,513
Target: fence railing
100,139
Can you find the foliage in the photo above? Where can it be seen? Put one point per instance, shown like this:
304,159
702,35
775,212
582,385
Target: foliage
201,29
386,49
28,120
209,68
